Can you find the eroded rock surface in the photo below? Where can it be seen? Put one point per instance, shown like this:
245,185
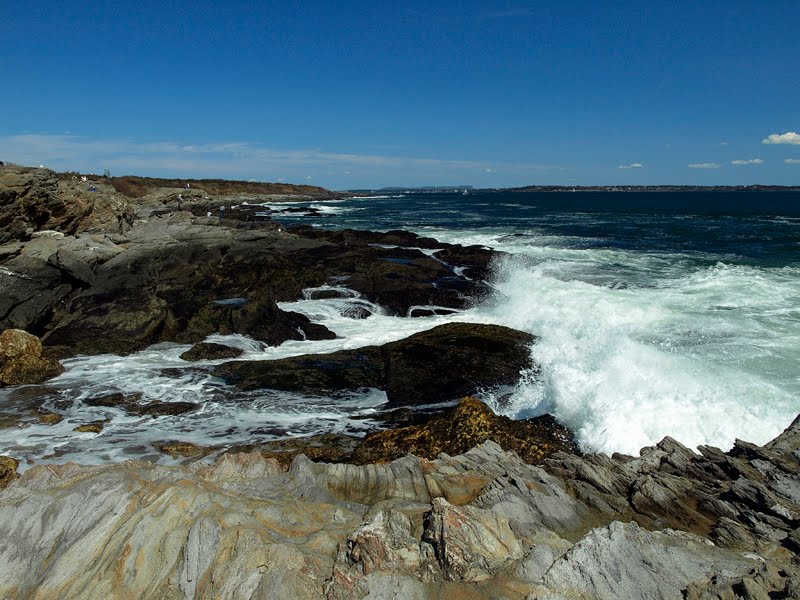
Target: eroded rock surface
483,524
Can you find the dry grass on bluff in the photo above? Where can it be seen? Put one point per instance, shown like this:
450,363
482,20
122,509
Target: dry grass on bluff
133,186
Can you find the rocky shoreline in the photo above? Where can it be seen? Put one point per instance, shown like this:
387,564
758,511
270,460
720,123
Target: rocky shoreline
453,501
484,524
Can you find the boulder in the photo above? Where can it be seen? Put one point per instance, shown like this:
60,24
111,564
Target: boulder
21,360
443,363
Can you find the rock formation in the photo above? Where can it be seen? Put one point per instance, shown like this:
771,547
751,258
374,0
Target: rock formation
21,360
484,524
107,282
440,364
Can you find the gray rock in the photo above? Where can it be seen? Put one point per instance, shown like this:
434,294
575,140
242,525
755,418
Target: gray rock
470,544
625,561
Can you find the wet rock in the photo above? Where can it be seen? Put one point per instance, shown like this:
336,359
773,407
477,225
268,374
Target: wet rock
32,288
357,311
211,351
132,405
8,470
471,423
93,427
262,321
443,363
183,449
326,447
21,360
49,418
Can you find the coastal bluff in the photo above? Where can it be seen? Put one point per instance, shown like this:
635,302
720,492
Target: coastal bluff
669,523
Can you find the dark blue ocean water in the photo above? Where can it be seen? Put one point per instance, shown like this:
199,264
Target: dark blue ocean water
755,228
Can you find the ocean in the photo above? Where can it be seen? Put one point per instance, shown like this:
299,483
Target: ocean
656,314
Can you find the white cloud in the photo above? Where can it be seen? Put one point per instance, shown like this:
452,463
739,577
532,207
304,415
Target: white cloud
752,161
723,143
704,166
488,170
792,161
237,160
631,166
790,137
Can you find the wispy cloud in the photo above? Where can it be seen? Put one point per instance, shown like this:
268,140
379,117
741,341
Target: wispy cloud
752,161
236,159
631,166
790,137
792,161
488,170
706,165
723,143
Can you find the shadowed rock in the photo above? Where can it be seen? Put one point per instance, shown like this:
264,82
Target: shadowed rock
443,363
132,405
211,351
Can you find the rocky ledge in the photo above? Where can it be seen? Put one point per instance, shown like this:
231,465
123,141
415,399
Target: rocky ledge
669,523
100,272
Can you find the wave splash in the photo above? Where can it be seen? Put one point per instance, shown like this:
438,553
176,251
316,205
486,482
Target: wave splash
702,356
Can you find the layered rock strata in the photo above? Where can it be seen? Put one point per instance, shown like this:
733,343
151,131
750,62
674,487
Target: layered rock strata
667,524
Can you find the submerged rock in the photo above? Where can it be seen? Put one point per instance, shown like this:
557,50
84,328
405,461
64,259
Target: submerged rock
443,363
132,405
93,427
211,351
183,449
21,360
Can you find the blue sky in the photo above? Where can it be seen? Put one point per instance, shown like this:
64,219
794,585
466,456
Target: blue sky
368,94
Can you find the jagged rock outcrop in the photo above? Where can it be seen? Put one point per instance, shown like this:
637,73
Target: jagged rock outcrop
483,524
443,363
21,360
33,200
28,200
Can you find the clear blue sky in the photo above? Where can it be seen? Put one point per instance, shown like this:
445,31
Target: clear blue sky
369,94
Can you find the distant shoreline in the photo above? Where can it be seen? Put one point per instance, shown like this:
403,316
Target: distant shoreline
577,188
